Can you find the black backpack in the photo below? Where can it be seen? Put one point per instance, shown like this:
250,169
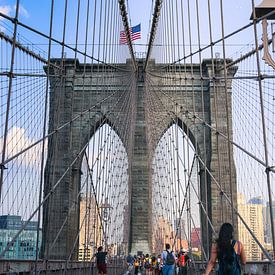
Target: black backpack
170,259
230,266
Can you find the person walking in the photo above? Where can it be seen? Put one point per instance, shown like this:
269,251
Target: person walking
229,252
136,265
130,263
148,265
154,265
101,261
182,263
168,260
159,265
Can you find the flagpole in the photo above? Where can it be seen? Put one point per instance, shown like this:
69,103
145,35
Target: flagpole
123,12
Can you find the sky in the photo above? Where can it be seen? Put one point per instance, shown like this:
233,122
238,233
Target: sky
36,13
236,14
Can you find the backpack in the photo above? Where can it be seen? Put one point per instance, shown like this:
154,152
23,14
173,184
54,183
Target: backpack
182,260
230,266
170,260
147,263
154,263
136,263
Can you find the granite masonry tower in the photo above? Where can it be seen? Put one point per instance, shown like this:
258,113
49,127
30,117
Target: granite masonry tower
65,146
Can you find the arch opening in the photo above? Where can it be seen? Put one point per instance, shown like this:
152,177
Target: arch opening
104,195
176,193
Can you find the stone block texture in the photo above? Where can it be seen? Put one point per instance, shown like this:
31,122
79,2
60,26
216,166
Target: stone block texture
81,91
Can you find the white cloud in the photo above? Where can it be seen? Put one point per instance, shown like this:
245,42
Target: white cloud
22,11
17,140
6,10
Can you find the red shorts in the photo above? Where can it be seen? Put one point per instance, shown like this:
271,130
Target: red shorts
102,268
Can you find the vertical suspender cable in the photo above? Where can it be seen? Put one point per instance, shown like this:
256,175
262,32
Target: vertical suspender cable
227,117
44,125
10,75
153,31
123,12
215,101
206,183
264,129
48,72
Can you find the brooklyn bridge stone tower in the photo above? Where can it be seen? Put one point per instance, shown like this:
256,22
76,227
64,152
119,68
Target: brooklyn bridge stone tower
63,148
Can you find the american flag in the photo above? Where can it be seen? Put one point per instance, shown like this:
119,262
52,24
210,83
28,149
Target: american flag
135,34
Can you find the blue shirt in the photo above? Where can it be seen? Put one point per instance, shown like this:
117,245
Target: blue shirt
164,255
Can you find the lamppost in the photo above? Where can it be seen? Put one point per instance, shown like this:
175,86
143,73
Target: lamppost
105,217
266,9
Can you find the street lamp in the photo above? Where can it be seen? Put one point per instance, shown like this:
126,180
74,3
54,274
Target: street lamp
266,7
105,217
267,10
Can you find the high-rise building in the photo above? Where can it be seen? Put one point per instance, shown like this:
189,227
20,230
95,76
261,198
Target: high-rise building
267,222
252,213
256,200
179,228
195,238
89,233
163,234
24,247
180,234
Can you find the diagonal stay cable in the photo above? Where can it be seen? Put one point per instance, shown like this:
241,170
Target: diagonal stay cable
60,42
26,50
98,178
127,30
235,211
221,39
59,128
155,19
213,128
43,201
173,119
189,181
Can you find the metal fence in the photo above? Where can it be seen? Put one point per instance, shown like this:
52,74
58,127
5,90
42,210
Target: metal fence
115,267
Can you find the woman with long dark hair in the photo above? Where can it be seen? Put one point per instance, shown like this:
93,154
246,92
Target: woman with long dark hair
229,252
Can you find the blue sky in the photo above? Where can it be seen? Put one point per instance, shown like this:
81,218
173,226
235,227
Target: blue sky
140,11
36,14
236,15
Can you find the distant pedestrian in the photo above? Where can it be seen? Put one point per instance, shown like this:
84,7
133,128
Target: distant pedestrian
130,263
148,264
229,252
154,265
182,263
159,265
101,261
168,260
136,265
130,259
